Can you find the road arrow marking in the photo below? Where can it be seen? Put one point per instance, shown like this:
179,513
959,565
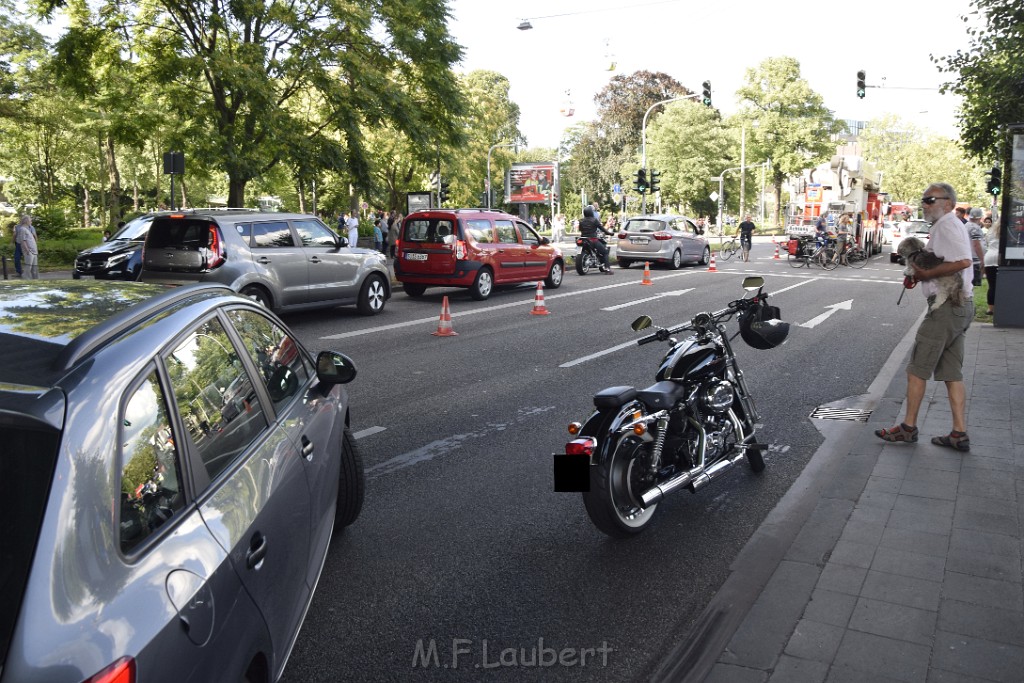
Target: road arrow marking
814,322
650,298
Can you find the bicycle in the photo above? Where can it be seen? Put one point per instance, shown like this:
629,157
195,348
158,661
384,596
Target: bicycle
852,256
808,253
728,249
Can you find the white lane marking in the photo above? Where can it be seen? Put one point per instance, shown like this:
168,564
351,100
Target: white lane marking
678,292
599,354
369,431
817,320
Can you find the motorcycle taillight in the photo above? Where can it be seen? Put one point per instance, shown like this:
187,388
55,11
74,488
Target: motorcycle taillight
579,241
584,446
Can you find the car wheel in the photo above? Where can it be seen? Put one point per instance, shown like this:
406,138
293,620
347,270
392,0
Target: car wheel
705,258
677,260
75,275
351,483
482,286
414,290
624,263
257,294
554,279
372,296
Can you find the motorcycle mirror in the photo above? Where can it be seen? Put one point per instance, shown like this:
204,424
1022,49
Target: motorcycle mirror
642,323
753,282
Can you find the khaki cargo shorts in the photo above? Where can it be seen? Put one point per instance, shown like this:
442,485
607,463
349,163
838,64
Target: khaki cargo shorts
939,346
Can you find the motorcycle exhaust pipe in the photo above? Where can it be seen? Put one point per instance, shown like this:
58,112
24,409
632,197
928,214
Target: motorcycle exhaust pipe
717,469
698,476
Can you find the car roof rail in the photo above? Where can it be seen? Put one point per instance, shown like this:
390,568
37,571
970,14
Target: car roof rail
86,343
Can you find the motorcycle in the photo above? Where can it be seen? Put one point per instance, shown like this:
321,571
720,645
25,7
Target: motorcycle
685,430
586,258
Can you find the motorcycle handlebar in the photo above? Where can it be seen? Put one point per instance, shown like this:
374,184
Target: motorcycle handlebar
695,322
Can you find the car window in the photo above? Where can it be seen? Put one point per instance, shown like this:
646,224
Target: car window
644,226
313,233
529,236
150,468
506,232
479,231
435,230
283,367
245,232
215,396
178,232
134,229
272,234
687,226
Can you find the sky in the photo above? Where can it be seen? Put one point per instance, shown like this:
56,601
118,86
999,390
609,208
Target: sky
574,42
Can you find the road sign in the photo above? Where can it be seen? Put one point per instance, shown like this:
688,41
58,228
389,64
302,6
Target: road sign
616,188
714,196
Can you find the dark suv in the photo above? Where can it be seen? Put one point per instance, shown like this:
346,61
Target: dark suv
475,249
120,257
173,465
286,261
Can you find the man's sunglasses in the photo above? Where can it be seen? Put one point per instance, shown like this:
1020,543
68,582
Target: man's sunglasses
931,200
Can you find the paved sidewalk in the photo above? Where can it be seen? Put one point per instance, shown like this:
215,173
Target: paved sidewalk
887,562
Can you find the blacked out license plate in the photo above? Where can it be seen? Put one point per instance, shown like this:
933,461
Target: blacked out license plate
572,473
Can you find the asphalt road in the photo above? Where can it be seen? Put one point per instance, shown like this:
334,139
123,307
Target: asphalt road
464,564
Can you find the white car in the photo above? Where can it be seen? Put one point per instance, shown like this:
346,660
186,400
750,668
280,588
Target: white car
916,228
7,209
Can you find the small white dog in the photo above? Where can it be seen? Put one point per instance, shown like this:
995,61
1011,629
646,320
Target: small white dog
951,287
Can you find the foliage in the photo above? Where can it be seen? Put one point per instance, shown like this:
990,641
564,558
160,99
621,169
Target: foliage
788,122
990,76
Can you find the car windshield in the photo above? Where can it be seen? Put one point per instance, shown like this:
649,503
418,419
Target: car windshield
644,225
134,229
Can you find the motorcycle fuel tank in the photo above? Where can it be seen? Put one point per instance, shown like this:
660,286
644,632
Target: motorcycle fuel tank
693,359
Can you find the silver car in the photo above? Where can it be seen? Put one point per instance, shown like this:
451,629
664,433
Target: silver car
662,238
286,261
912,228
174,465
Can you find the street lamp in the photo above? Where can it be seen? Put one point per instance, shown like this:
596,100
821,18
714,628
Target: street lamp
493,147
525,25
643,139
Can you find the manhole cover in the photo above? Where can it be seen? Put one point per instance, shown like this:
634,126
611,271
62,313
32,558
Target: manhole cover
850,414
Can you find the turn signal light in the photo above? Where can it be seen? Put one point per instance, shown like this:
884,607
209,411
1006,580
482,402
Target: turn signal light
584,446
639,428
574,428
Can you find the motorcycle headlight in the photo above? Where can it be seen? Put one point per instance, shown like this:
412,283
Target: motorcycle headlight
716,396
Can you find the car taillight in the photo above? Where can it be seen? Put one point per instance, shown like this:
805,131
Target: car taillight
584,446
662,236
216,255
622,235
460,250
121,671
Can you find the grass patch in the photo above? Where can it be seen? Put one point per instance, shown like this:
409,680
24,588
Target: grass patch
981,303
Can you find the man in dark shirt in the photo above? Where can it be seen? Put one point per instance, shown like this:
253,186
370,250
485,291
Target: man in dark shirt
746,235
591,229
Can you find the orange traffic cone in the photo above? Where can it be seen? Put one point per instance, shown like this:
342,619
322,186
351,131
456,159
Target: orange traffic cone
777,257
538,302
711,266
444,326
647,274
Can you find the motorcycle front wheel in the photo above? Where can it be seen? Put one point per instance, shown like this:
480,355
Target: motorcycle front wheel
615,487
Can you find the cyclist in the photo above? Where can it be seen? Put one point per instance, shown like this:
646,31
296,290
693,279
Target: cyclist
746,234
591,229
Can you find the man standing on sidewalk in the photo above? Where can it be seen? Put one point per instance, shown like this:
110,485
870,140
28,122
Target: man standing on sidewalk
25,237
939,345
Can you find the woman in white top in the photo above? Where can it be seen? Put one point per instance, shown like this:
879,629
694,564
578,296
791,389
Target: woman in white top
991,243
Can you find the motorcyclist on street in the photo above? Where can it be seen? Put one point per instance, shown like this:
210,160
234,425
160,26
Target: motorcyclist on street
591,229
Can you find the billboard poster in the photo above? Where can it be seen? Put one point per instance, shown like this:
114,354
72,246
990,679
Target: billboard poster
1015,219
531,183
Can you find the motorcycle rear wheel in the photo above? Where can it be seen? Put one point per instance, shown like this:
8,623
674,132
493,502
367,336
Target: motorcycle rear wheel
585,262
614,486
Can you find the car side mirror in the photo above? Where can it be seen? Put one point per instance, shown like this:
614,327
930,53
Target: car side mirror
334,368
545,241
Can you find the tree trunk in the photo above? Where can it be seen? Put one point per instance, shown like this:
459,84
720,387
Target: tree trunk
114,200
85,206
135,194
236,192
184,195
778,201
301,188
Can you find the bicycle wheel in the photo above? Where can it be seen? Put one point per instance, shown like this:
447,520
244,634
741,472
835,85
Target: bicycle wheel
798,260
828,260
856,258
728,249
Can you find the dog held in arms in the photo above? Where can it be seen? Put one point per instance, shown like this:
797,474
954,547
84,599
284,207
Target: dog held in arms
950,287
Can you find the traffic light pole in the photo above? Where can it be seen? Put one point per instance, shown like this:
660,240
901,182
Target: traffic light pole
643,139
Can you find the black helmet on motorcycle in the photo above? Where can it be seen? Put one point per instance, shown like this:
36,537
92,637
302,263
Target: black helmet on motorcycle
588,212
761,327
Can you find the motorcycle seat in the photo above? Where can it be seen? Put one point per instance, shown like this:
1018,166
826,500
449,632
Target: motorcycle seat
614,397
662,395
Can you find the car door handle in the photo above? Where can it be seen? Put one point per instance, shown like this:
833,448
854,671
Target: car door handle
315,259
263,259
257,551
307,448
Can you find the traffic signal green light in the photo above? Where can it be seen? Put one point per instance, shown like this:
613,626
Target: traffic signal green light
640,184
995,181
655,181
707,93
862,87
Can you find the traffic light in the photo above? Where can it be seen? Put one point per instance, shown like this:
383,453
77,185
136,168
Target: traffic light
995,181
442,196
655,181
640,184
862,86
707,93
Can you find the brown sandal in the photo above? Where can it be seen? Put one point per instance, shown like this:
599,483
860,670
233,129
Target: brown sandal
956,440
901,433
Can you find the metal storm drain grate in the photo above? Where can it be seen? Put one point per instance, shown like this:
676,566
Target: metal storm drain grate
850,414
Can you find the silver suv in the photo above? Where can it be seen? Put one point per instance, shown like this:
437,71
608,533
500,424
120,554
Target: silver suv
286,261
174,464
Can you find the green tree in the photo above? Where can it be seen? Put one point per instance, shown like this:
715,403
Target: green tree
787,121
990,76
